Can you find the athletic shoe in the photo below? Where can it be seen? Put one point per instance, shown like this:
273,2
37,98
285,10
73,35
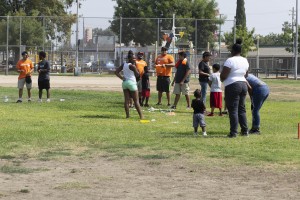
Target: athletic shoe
210,114
225,112
254,131
232,135
48,100
168,104
204,134
19,101
245,134
146,105
29,100
158,104
173,107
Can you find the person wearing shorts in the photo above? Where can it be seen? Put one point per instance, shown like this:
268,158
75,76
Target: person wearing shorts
25,69
129,84
145,87
44,77
163,65
198,116
181,80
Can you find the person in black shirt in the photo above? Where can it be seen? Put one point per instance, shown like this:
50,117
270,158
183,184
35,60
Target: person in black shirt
204,73
44,77
198,116
145,87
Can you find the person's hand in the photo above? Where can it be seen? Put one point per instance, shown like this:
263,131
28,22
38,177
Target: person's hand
181,83
172,84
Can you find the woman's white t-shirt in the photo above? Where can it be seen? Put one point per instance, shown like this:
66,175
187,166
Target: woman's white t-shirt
128,73
239,66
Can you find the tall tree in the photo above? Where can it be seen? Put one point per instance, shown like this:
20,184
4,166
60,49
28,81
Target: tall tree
241,30
240,14
149,19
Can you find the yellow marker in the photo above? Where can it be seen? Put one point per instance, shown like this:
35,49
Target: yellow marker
144,121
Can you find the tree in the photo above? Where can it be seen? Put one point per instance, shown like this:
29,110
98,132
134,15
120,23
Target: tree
149,15
241,30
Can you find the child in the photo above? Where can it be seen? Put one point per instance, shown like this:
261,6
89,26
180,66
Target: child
215,90
198,117
145,87
44,77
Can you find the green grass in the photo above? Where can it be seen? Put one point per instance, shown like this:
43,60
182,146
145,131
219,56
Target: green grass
93,122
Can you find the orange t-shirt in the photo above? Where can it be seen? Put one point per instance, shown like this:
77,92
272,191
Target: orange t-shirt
26,66
164,71
140,64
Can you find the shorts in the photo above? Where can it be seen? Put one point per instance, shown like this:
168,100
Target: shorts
146,93
129,85
44,84
163,84
139,85
216,99
198,119
22,82
184,89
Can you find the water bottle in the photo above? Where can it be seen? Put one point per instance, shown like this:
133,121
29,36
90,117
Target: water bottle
5,99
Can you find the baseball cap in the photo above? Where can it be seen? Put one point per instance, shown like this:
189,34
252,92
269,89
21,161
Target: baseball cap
164,49
24,53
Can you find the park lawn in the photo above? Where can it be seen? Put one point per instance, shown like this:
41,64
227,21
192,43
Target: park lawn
93,122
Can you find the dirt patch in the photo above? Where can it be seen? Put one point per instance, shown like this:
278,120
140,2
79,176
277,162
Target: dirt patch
104,178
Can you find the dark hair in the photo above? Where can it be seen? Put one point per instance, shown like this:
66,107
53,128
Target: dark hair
216,66
130,52
206,54
24,52
197,93
182,53
164,49
146,69
42,54
237,47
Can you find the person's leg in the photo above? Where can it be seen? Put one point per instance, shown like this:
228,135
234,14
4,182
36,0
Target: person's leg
40,93
159,97
20,93
185,88
187,98
203,91
21,83
242,108
159,89
48,93
146,103
258,98
166,88
168,98
135,97
177,97
232,100
29,93
126,101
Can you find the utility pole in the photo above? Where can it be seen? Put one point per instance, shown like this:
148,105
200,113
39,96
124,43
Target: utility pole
296,42
220,36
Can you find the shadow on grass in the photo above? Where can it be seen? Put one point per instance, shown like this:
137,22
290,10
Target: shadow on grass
190,134
108,116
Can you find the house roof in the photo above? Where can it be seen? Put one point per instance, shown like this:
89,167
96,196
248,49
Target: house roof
271,51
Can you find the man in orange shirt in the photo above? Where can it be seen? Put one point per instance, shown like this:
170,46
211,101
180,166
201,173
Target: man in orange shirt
140,65
25,68
164,63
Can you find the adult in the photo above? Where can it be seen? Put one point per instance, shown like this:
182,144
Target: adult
140,65
25,69
129,84
204,73
259,92
163,64
181,79
233,77
44,76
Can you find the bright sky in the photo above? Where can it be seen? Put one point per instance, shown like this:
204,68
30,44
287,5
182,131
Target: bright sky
265,16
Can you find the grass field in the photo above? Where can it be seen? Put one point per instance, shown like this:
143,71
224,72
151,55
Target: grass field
91,122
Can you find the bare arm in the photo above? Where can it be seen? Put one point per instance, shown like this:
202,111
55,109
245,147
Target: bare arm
224,74
185,76
117,72
134,69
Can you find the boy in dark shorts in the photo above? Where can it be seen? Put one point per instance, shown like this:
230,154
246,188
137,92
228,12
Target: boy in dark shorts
199,109
44,77
145,87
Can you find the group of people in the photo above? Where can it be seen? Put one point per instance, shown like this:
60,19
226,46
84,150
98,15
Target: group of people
25,68
233,74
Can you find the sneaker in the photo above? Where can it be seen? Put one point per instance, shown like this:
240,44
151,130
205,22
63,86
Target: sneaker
19,101
254,131
188,107
204,134
29,100
48,100
173,107
168,104
232,135
245,134
210,114
225,112
146,105
158,104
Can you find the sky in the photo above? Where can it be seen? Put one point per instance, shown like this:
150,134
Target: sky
265,16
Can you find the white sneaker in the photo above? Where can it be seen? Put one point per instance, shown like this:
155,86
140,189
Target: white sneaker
48,100
204,134
40,100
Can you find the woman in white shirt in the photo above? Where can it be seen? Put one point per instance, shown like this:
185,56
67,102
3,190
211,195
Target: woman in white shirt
129,84
233,77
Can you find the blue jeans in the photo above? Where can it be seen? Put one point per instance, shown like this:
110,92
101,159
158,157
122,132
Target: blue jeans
203,91
235,95
259,95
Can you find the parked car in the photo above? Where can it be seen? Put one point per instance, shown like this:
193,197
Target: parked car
109,66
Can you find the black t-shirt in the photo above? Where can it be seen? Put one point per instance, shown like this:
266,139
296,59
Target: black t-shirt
145,81
44,64
203,66
198,106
